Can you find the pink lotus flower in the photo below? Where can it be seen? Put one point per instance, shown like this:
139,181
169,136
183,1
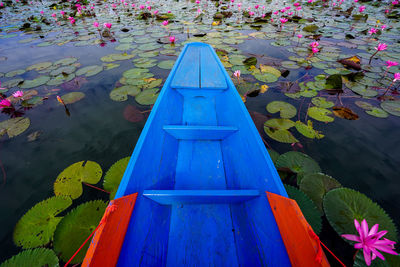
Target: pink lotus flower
283,20
239,5
107,25
383,27
96,24
197,2
315,50
72,21
236,73
165,22
62,13
198,11
296,4
5,103
41,12
155,12
256,6
369,240
53,15
299,36
387,11
172,39
298,8
148,8
133,5
314,44
310,1
290,13
381,47
391,64
395,2
251,13
396,77
169,11
355,1
141,7
287,8
18,94
361,9
276,12
372,31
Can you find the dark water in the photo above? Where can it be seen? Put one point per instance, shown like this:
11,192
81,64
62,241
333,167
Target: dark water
362,154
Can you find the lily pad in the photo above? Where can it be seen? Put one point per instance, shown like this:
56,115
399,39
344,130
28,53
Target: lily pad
273,154
269,69
392,107
364,105
114,175
166,64
121,93
89,70
69,181
37,226
285,110
39,66
377,112
35,82
308,130
322,102
316,185
307,207
343,205
320,114
66,61
75,227
32,101
147,97
14,126
14,73
72,97
33,257
136,73
297,162
266,77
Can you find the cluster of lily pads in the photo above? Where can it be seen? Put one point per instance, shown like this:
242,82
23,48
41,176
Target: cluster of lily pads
54,227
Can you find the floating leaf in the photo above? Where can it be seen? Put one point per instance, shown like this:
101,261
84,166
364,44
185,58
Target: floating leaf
147,97
69,181
377,112
363,90
39,257
151,83
290,65
297,162
37,226
39,66
308,130
307,207
133,114
136,73
271,70
14,126
65,61
166,64
392,107
345,113
121,93
320,114
251,61
35,83
316,185
12,83
334,82
14,73
32,101
75,227
310,28
283,136
353,62
285,110
89,70
364,105
72,97
322,102
343,205
114,175
273,154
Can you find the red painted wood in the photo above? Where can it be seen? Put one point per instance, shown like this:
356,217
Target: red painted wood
106,244
301,245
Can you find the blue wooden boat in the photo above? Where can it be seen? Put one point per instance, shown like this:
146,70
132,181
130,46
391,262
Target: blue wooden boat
200,171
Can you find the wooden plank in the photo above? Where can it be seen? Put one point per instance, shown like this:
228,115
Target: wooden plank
187,132
211,76
172,197
300,246
106,244
187,74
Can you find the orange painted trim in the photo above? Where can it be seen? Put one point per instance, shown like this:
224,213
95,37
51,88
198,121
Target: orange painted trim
302,246
107,242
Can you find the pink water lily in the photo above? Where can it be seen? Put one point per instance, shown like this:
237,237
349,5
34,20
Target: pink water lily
372,31
381,47
5,103
18,94
236,73
391,64
361,9
172,39
96,24
107,25
370,241
165,22
283,20
314,44
396,77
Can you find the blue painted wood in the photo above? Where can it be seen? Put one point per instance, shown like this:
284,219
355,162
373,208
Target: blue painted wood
188,71
184,132
172,197
211,76
223,234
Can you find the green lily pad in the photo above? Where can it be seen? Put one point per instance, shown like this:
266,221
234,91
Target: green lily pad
279,124
69,181
152,84
277,129
322,102
307,207
75,227
89,70
343,205
285,110
166,64
33,257
114,175
251,61
316,185
392,107
65,70
147,97
145,63
273,154
37,100
310,28
66,61
72,97
14,126
110,66
136,73
121,93
363,90
308,130
271,70
377,112
290,65
320,114
35,82
297,162
265,77
37,226
39,66
12,83
14,73
364,105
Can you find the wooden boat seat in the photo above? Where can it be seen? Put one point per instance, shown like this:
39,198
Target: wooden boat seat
199,69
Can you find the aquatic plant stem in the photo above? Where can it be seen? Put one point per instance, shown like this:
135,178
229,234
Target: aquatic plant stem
370,59
95,187
387,89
